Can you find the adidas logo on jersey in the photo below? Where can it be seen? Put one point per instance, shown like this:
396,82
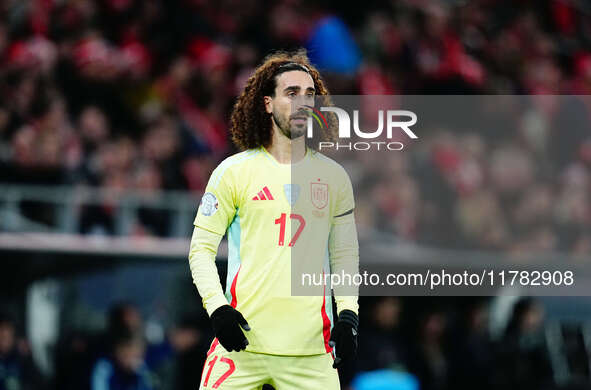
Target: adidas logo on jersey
263,194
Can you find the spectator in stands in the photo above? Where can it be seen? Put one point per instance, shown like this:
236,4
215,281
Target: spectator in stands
17,370
125,316
73,361
190,341
429,360
380,343
125,368
122,318
524,356
473,352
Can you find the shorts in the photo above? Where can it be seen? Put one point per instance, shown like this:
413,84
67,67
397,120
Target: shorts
244,370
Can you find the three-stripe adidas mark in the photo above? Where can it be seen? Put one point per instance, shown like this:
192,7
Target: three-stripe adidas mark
264,194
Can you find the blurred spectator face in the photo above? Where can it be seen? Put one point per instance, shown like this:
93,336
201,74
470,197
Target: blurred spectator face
115,160
96,58
108,157
396,166
7,338
93,125
544,239
195,171
479,318
295,30
511,169
532,319
184,338
125,317
180,70
387,313
116,181
436,22
246,55
527,318
535,205
37,53
478,213
542,77
23,144
135,57
57,115
576,177
473,146
49,151
129,354
24,94
434,326
573,206
132,319
445,153
125,152
161,142
148,178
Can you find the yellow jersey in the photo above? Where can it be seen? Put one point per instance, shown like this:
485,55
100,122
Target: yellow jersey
274,214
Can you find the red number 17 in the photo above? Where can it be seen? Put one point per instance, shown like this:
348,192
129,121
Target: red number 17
226,374
281,221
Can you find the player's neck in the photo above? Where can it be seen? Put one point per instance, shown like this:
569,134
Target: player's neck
285,150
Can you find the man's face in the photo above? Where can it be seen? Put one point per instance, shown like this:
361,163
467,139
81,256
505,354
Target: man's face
294,90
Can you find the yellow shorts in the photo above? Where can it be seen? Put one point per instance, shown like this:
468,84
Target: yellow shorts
250,371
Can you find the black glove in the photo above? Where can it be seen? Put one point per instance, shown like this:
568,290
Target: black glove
226,322
344,337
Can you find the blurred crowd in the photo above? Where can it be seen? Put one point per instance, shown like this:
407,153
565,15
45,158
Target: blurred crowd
129,94
119,358
439,345
520,185
434,345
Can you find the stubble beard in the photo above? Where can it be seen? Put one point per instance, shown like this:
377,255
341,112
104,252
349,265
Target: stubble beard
284,125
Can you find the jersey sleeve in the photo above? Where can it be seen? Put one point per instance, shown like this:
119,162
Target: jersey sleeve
343,244
345,202
219,202
343,250
204,246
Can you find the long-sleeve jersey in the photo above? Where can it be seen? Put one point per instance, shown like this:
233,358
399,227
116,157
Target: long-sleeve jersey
279,219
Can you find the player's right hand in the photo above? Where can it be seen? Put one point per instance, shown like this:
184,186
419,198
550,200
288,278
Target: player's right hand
226,322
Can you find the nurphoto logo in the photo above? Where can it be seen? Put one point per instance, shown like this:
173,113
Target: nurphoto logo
396,120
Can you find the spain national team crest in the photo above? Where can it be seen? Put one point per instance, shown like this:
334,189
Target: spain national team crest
319,194
292,193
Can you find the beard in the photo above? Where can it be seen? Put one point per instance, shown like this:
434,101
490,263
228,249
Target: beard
291,131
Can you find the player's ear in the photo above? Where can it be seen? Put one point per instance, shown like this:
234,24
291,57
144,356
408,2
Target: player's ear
268,104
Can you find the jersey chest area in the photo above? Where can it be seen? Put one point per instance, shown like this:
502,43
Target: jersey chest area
310,195
285,210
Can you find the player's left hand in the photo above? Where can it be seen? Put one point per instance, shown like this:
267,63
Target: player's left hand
344,337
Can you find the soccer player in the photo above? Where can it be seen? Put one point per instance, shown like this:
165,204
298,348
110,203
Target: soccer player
272,218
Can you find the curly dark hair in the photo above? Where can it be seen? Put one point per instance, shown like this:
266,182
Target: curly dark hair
251,125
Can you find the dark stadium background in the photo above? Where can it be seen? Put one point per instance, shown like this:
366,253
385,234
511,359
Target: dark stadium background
114,112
